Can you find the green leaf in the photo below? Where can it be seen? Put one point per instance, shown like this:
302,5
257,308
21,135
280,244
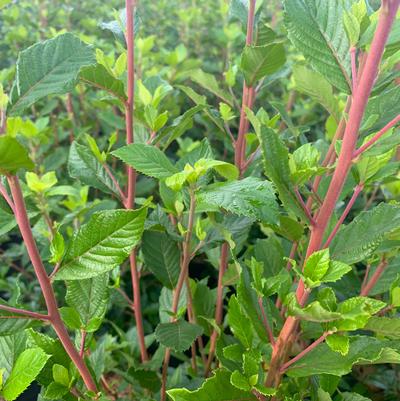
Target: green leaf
71,318
216,388
10,348
48,68
317,265
249,197
98,76
384,326
239,323
353,397
316,29
146,159
208,81
9,326
90,298
260,61
276,166
102,244
162,257
61,375
313,312
356,312
359,239
13,156
338,343
240,381
363,351
317,87
55,391
27,366
178,335
179,126
84,166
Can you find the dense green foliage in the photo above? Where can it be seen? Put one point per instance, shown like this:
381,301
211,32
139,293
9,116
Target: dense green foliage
241,241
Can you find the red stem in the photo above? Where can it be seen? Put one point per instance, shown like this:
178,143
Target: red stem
305,351
130,196
83,340
265,321
115,181
45,284
374,279
32,315
357,191
7,198
378,135
304,206
360,99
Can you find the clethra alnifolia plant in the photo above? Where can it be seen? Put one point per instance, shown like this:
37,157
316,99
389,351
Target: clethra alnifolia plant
199,201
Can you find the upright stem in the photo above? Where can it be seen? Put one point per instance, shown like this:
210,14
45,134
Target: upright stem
130,196
247,97
181,281
360,99
45,284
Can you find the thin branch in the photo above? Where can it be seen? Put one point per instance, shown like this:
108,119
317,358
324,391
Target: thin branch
305,351
304,206
115,182
7,198
23,312
55,270
378,135
346,211
83,340
374,279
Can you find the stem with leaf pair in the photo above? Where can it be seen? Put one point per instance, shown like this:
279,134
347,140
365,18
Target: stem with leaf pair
360,98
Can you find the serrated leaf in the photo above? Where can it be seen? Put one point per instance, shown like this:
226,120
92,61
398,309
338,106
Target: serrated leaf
84,166
216,388
363,351
10,348
208,81
48,68
276,166
359,239
317,87
338,343
260,61
102,244
249,197
239,323
317,265
178,335
316,29
13,156
146,159
98,76
313,312
26,368
89,297
162,257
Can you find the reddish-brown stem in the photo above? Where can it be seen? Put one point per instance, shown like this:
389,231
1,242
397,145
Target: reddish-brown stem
267,327
45,284
6,197
130,193
346,211
219,308
305,351
304,206
360,99
378,135
353,57
247,97
370,284
115,182
23,312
